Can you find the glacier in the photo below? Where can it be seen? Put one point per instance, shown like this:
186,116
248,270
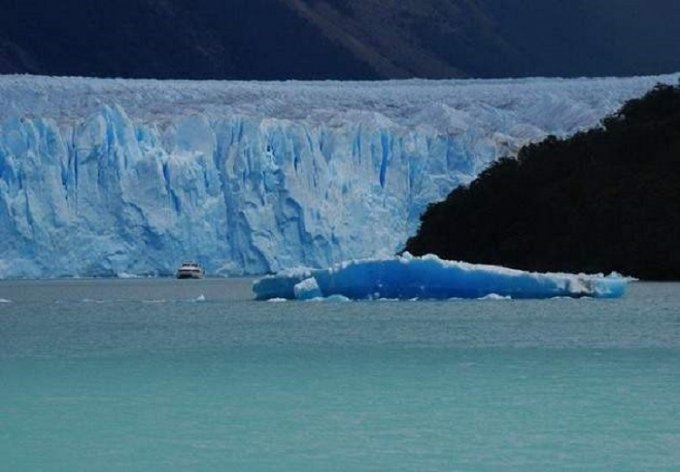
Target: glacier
111,177
430,278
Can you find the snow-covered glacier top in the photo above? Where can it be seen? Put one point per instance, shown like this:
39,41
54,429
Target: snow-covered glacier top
112,177
441,105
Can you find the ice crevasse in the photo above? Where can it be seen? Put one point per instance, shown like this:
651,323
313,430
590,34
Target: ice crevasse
113,177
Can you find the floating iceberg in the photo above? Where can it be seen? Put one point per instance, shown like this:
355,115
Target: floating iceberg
429,277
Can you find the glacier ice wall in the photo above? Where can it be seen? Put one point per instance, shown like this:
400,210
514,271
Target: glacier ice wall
115,177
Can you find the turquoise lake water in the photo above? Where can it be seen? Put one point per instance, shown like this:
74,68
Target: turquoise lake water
162,375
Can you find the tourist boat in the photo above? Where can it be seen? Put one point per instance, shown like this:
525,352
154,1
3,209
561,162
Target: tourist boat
189,270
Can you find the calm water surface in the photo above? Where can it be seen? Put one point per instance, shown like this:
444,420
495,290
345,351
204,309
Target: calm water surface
160,375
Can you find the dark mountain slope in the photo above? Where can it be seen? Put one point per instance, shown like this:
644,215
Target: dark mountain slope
589,37
492,38
607,199
192,39
343,39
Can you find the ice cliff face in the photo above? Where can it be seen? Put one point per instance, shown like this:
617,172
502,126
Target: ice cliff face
114,177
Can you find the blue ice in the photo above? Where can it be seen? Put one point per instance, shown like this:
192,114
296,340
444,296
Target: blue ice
429,277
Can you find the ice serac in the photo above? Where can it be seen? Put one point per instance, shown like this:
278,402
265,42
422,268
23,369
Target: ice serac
112,177
406,277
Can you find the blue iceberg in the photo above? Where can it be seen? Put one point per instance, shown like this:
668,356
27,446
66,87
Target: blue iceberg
406,277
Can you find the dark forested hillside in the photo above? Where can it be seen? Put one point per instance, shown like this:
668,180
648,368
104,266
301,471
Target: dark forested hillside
342,39
604,200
